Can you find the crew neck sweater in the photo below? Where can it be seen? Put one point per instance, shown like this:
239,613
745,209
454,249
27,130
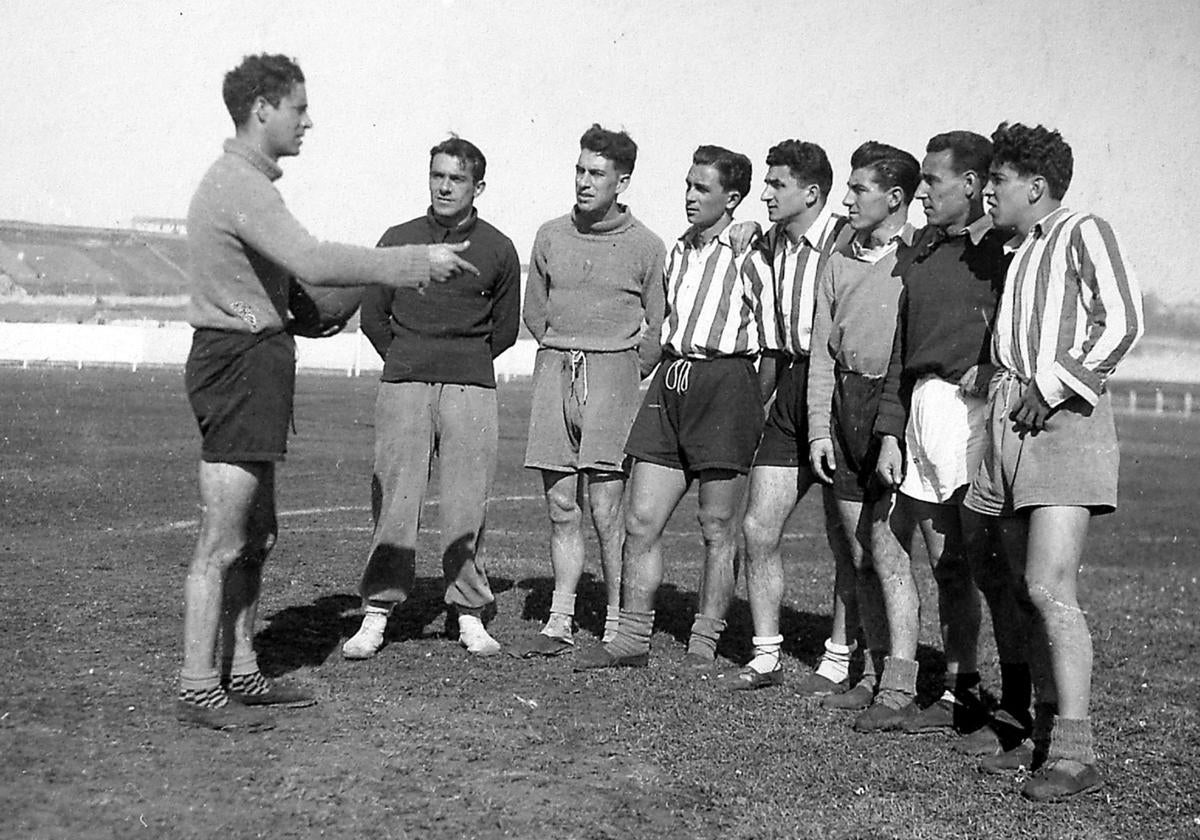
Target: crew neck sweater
598,287
451,331
244,248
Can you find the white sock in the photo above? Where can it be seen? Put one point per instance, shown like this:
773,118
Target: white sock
474,637
835,662
766,654
560,625
369,637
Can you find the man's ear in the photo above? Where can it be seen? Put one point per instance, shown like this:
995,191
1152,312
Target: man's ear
258,109
622,182
1037,189
480,186
973,184
895,198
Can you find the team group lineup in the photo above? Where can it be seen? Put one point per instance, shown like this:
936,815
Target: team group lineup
947,380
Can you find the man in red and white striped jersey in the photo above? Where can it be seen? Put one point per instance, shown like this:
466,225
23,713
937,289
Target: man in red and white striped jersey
791,255
1070,311
701,417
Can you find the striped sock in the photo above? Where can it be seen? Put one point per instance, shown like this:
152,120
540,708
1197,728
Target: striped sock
253,683
205,698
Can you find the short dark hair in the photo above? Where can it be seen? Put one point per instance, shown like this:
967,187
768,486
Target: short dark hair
1035,151
616,146
733,168
270,76
465,151
969,152
807,161
892,167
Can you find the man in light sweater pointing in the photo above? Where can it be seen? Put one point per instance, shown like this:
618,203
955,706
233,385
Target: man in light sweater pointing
246,250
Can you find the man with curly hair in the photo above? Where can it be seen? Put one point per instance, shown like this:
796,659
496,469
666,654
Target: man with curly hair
1070,311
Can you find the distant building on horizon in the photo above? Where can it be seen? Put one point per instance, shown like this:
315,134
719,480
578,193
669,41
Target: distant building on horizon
160,224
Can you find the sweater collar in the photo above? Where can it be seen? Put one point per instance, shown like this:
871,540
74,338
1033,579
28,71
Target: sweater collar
268,167
619,222
461,229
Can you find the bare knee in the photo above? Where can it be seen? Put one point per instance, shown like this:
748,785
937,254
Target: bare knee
716,528
761,537
564,511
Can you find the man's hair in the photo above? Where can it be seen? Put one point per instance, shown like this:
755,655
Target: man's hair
969,152
616,146
1035,151
465,151
892,167
270,76
733,168
807,161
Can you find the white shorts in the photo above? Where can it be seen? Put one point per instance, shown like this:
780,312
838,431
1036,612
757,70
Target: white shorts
945,440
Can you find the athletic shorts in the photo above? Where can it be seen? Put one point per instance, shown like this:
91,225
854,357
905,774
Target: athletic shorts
944,440
584,402
855,446
1073,461
784,441
241,387
700,414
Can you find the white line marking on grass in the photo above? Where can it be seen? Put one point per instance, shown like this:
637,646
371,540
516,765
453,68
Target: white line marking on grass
186,524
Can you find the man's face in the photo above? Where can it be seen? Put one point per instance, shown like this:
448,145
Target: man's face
944,194
1006,195
784,196
866,202
597,183
452,187
705,200
286,123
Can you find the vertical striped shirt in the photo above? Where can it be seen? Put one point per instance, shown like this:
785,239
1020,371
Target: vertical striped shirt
714,306
793,268
1071,308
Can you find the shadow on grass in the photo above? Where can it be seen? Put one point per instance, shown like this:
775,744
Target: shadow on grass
307,635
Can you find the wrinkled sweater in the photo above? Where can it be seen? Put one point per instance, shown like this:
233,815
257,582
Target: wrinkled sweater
451,331
854,324
598,288
245,247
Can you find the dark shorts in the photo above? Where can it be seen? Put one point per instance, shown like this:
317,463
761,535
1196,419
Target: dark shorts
699,414
1072,462
241,386
855,446
784,440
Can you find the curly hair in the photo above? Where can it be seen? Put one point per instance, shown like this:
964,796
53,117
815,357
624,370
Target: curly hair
969,152
1035,151
733,168
892,167
807,162
270,76
466,151
616,146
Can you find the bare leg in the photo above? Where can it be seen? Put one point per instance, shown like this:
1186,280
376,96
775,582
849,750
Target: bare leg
605,495
243,581
720,501
891,536
773,495
655,491
856,533
845,579
566,532
229,494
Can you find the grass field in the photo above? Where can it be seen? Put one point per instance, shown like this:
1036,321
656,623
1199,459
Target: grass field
99,505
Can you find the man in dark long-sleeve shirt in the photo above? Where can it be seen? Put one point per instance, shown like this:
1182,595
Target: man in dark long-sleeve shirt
933,401
438,394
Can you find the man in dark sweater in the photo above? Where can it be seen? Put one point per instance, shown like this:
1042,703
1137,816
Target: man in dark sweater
438,395
937,382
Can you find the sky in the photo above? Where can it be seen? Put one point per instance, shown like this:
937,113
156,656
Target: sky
110,110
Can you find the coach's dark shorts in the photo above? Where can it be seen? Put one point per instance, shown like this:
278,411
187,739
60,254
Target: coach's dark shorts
855,446
784,440
699,414
240,386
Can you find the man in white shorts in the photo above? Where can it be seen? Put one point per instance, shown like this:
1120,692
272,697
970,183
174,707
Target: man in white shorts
938,380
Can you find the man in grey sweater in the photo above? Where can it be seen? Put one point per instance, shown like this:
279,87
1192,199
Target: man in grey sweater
246,251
